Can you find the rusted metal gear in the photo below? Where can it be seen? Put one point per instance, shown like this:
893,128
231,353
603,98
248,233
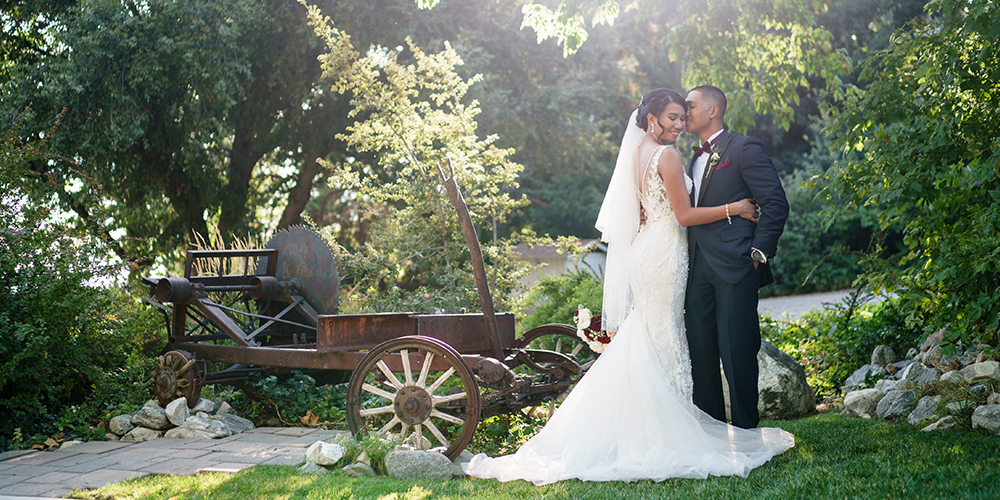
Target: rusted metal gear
178,374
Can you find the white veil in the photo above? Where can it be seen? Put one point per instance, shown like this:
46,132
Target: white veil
618,223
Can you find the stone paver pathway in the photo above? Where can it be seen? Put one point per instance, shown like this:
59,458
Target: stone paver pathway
53,474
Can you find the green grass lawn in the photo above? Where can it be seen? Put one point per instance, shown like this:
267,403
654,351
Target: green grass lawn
834,456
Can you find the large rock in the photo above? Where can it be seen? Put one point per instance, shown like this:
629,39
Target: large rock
857,379
209,427
987,417
942,424
311,468
883,355
463,458
982,372
929,375
205,405
235,424
888,385
189,433
177,411
926,410
151,417
895,404
953,377
121,425
417,464
864,402
783,391
141,434
323,453
358,469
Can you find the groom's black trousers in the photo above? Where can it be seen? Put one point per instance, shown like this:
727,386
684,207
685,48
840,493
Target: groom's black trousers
721,321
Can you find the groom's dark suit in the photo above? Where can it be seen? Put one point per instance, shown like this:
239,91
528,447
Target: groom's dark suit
721,301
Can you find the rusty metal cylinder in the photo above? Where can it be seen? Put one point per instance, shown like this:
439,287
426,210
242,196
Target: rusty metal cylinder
173,290
264,287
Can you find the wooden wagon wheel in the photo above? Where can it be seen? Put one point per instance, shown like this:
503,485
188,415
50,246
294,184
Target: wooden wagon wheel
559,338
418,389
178,374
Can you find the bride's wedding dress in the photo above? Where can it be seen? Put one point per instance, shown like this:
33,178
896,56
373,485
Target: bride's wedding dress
631,417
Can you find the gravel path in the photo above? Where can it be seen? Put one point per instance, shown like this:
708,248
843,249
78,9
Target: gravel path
793,306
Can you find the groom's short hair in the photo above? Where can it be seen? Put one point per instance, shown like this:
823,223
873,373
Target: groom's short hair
715,96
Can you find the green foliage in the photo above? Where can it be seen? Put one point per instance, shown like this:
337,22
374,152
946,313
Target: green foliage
503,434
376,448
296,399
919,146
416,120
832,343
758,51
69,348
556,298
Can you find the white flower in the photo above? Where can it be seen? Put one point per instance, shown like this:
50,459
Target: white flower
583,318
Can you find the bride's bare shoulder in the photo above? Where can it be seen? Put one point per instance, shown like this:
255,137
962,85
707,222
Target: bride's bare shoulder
670,158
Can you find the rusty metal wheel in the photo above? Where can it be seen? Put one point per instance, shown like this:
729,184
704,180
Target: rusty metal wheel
178,374
555,359
416,389
559,338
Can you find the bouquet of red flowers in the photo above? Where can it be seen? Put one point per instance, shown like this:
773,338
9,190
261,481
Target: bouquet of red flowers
588,328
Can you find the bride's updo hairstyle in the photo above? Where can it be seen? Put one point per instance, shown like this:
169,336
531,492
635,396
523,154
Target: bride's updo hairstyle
654,102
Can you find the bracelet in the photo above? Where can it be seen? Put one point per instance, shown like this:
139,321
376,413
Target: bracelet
728,218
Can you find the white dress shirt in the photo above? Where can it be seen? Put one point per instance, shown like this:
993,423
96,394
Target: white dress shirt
698,170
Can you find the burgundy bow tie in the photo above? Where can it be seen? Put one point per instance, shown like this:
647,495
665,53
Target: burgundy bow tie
706,147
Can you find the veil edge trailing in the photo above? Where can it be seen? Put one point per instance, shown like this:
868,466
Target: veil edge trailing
618,222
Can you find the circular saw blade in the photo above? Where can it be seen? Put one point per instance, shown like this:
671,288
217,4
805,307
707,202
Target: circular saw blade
303,255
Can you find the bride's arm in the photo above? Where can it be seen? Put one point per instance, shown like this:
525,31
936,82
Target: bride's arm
672,173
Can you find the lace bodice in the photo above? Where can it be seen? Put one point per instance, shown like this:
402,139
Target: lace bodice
659,275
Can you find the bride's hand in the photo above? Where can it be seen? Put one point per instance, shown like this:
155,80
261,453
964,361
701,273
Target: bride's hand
744,208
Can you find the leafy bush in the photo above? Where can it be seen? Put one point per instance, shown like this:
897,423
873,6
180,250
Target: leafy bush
504,434
296,399
556,298
374,447
63,341
833,343
919,143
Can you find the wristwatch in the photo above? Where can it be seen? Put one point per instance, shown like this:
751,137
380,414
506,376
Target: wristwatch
758,255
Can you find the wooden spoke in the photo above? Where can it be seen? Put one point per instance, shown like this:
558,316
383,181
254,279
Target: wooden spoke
422,380
446,417
444,377
374,389
447,399
576,350
392,423
388,374
376,411
404,356
378,392
437,433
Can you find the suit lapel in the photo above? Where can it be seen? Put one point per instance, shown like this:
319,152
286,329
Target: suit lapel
725,138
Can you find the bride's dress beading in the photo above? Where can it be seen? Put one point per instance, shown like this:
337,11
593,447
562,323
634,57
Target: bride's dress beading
631,415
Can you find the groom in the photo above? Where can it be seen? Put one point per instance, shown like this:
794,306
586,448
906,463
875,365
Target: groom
729,258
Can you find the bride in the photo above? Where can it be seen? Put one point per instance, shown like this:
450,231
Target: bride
631,416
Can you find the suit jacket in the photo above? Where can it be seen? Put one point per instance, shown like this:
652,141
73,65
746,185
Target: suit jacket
744,170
